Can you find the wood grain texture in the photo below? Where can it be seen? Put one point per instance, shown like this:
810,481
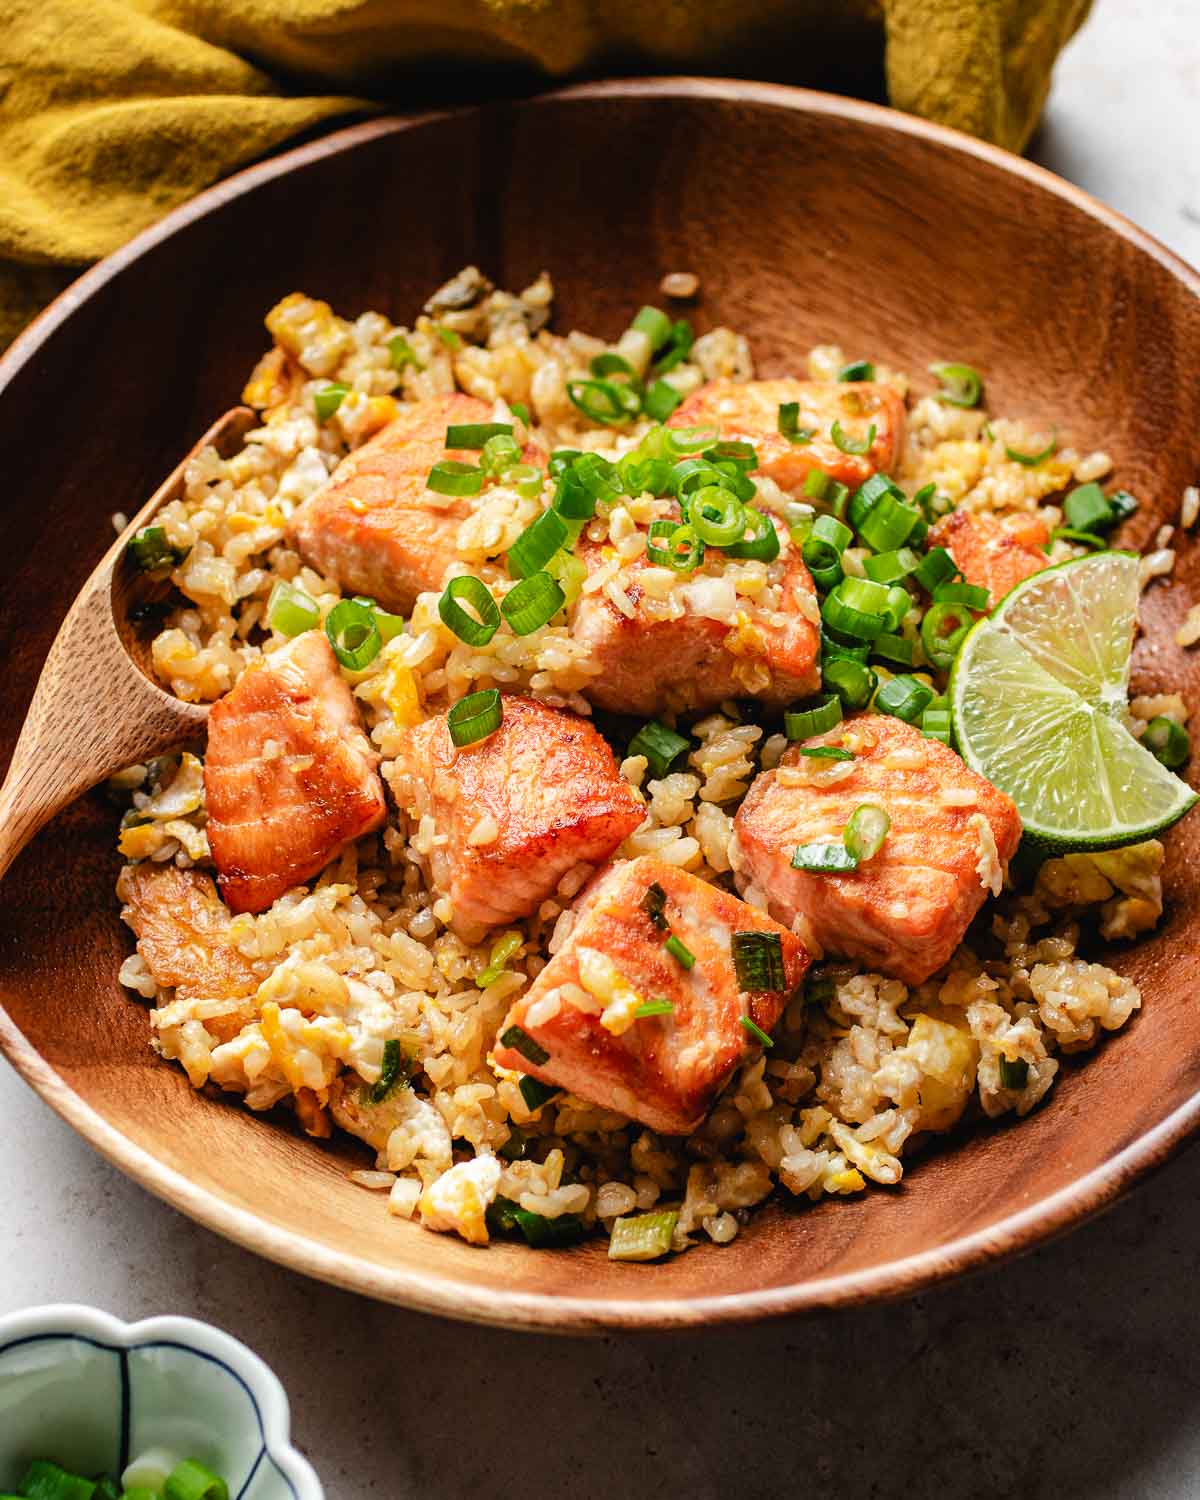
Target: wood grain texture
808,219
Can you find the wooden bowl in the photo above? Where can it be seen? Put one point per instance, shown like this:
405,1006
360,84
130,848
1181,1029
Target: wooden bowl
808,219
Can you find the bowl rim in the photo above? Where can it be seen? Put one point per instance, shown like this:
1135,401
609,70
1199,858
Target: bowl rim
69,1320
428,1291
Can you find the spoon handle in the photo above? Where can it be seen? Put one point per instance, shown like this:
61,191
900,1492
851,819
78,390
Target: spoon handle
95,710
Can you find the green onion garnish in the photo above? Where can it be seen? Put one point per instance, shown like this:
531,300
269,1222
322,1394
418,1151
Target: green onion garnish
969,594
761,541
473,591
891,567
537,544
943,630
816,484
514,1148
961,385
611,363
758,961
520,1041
1014,1072
717,516
654,1008
1087,539
661,746
858,369
536,1093
291,611
475,434
888,524
1167,741
684,440
935,724
680,953
502,950
561,460
46,1481
654,903
520,411
854,446
532,603
192,1481
869,494
401,353
1123,503
857,607
904,698
756,1031
936,567
450,477
599,478
353,634
390,626
893,648
1031,460
849,679
788,423
500,455
803,723
604,402
329,399
1086,508
678,347
654,324
824,859
393,1073
661,400
504,1216
825,752
474,717
447,336
866,831
149,549
643,1236
671,545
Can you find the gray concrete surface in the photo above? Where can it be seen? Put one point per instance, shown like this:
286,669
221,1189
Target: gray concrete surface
1071,1373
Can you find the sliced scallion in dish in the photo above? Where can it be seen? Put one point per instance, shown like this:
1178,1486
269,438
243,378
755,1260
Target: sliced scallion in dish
536,1093
935,568
803,723
1031,460
353,634
541,1233
474,717
788,423
904,698
856,447
654,1008
502,950
756,1031
393,1073
825,752
892,567
961,384
537,544
449,476
865,832
717,516
944,627
679,952
149,549
969,594
291,611
654,904
469,590
1014,1072
476,434
401,353
604,402
660,400
758,961
643,1236
897,649
849,679
532,603
760,540
661,746
520,1041
824,858
655,324
889,524
857,369
1167,741
329,398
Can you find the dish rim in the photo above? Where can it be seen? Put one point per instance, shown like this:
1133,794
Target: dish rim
427,1291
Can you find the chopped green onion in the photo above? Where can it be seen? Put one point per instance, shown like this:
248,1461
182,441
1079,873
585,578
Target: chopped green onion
1031,460
390,626
1167,741
762,543
561,460
816,484
654,1008
756,1031
192,1481
961,385
888,524
943,631
1087,539
612,363
107,1488
570,572
858,608
898,605
149,549
525,479
661,746
572,498
476,434
828,539
819,989
788,423
451,477
541,1233
932,504
604,402
836,497
1123,503
514,1148
679,953
393,1073
833,645
474,717
500,455
473,591
936,567
894,648
854,446
537,544
644,476
716,516
969,594
825,752
684,551
824,859
661,400
536,1093
758,961
654,324
891,567
678,348
502,950
532,603
858,369
904,698
643,1236
869,494
1014,1072
681,440
353,634
520,1041
401,353
850,680
291,611
328,399
447,336
520,411
803,723
935,724
46,1481
866,831
1087,509
654,904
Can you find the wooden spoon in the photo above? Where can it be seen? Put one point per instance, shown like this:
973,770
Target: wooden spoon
96,707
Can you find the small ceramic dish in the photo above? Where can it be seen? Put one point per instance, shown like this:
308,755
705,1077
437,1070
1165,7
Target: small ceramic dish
82,1388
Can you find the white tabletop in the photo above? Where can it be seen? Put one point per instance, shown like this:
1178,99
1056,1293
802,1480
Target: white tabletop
1073,1372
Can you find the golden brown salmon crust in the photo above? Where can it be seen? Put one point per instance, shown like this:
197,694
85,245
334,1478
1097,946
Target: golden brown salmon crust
664,1070
289,775
513,813
994,554
750,413
693,662
375,529
182,929
905,910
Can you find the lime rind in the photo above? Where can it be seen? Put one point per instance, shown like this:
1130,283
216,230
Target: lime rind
1035,710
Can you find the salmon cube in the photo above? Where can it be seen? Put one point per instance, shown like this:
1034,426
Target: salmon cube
289,776
655,657
510,815
750,413
992,553
376,528
577,1026
183,936
905,910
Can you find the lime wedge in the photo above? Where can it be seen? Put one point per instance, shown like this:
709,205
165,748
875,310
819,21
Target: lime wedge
1036,694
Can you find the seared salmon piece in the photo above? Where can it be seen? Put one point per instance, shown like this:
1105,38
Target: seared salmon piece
992,553
905,910
576,1026
749,413
511,814
182,929
375,528
652,664
289,775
